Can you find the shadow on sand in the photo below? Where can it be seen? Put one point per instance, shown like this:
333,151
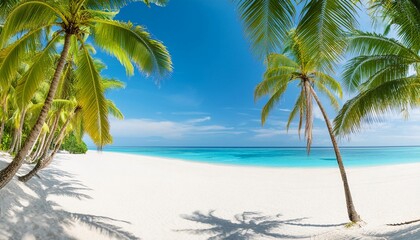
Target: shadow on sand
247,225
27,211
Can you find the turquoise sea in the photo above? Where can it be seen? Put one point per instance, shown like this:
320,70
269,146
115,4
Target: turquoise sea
281,157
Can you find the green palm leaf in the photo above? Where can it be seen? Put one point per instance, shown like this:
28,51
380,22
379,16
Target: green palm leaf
365,43
12,55
128,42
267,23
368,105
360,68
298,107
279,90
404,16
27,15
90,95
322,29
117,4
37,73
113,110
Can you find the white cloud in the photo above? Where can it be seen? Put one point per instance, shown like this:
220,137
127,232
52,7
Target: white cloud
199,120
275,132
189,113
145,128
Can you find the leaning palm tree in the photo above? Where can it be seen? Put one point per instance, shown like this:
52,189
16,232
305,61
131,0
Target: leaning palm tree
297,67
385,71
75,22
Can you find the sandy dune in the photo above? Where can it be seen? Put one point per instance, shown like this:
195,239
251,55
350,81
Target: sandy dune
118,196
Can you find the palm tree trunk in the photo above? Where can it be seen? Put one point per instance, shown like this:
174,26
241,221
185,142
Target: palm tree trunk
22,122
14,141
3,119
42,163
7,173
44,160
1,131
50,137
17,135
351,210
33,156
28,156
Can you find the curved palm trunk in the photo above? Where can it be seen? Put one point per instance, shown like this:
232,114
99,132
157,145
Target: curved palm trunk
22,122
4,105
17,135
14,141
28,156
50,137
38,149
7,173
351,210
46,160
1,131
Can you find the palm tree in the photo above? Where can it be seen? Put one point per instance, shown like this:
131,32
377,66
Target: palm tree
75,21
384,72
322,25
298,67
321,31
69,106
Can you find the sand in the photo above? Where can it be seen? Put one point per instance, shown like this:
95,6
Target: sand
121,196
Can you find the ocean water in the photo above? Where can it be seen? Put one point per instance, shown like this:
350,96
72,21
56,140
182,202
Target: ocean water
281,157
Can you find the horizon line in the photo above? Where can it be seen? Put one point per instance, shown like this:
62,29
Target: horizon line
174,146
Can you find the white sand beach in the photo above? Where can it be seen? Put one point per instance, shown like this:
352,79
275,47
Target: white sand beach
120,196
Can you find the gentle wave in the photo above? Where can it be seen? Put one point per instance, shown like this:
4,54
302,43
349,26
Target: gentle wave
282,157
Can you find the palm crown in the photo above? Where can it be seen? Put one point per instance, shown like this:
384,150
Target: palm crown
296,67
44,23
385,71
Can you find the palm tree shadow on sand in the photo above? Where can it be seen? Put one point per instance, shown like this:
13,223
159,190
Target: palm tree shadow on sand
247,225
26,210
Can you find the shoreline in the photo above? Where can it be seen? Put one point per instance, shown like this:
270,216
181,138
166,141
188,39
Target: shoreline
158,198
259,166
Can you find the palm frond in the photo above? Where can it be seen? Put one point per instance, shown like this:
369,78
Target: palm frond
11,56
29,15
6,6
276,60
327,80
323,26
266,23
37,73
369,105
388,73
272,101
365,43
128,42
118,4
268,85
90,95
404,16
109,83
113,110
324,90
361,68
299,107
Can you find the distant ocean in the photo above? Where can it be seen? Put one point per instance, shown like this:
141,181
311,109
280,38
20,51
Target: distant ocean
281,157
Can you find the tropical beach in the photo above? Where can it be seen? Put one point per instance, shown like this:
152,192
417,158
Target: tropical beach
228,119
125,196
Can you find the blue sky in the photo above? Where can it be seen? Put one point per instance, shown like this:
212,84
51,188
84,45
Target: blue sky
208,99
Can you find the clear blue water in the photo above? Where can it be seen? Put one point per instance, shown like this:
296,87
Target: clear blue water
282,157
